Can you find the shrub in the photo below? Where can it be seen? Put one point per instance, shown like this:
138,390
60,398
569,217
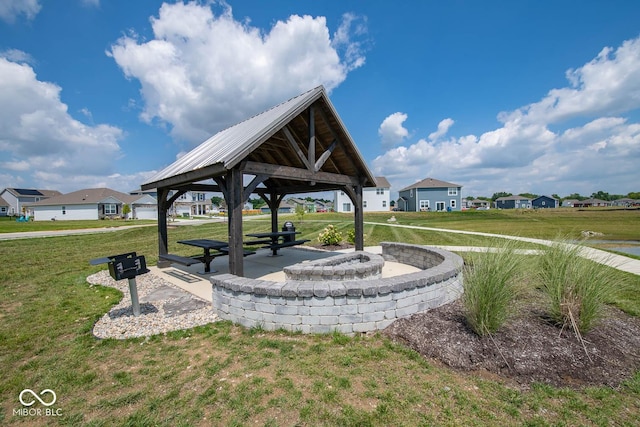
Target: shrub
330,236
489,286
577,289
351,236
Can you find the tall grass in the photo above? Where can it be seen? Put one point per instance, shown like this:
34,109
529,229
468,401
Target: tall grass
490,286
577,288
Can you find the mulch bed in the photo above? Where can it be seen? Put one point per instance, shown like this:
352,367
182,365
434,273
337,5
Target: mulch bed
528,348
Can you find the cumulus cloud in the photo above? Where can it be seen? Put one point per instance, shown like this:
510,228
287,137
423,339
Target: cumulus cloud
391,130
525,155
202,71
11,9
38,134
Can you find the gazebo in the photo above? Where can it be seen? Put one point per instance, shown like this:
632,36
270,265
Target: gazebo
298,146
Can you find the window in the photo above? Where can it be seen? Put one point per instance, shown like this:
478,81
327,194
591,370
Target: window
411,192
452,203
379,191
424,205
64,210
384,203
364,203
453,191
3,209
110,209
346,207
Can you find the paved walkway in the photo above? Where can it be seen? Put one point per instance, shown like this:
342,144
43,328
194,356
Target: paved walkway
630,265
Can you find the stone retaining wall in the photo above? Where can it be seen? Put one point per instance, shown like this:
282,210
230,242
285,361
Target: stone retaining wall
350,306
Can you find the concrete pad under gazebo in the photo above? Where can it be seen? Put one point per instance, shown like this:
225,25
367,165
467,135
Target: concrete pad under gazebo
298,146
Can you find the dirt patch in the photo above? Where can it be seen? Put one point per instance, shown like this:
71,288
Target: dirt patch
528,348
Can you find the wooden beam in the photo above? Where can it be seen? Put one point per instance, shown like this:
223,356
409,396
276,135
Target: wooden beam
187,177
295,147
325,155
297,174
257,180
312,136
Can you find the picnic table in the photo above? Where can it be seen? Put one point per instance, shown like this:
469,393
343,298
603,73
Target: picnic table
221,248
275,240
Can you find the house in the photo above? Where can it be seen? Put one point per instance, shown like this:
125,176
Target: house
285,207
430,195
626,202
513,202
18,198
569,203
374,199
542,202
478,204
307,205
4,207
588,203
94,203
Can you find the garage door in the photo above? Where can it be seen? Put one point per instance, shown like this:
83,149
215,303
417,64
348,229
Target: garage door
146,212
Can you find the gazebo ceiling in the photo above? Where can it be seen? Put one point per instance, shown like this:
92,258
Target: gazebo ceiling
300,145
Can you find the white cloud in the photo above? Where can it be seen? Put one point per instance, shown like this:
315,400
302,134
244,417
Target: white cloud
37,133
203,72
391,130
600,152
443,128
11,9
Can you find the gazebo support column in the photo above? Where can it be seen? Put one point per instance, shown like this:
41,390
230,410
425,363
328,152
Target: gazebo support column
163,207
235,201
355,194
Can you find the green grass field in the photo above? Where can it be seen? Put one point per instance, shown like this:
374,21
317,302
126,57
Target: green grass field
225,375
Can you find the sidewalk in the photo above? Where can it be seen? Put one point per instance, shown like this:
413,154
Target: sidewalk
620,262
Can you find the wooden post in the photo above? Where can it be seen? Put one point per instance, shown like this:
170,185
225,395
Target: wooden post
355,194
359,218
235,189
162,226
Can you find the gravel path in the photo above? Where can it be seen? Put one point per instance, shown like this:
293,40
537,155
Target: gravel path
163,308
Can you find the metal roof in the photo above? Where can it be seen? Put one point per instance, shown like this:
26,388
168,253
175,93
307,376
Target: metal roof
261,139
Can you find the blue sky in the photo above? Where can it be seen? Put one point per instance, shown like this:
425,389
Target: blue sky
517,96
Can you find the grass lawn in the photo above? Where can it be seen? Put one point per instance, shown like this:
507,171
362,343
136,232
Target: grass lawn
225,375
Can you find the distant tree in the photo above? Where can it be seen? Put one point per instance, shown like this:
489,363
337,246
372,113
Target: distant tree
470,198
300,212
634,195
126,210
257,203
602,195
500,194
576,196
217,201
528,195
555,196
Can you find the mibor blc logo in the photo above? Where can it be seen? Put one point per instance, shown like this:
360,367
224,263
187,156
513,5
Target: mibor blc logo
29,398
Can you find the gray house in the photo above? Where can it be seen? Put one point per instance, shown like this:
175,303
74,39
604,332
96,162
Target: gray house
513,202
543,202
4,207
94,203
19,199
430,195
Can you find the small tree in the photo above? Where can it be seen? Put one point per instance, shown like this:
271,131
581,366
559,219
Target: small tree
126,210
300,212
